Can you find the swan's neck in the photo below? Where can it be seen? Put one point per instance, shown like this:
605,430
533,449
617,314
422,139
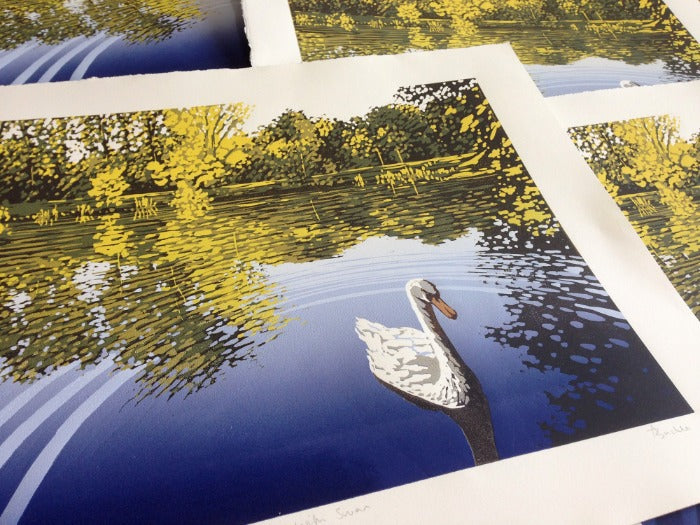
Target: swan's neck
454,373
425,313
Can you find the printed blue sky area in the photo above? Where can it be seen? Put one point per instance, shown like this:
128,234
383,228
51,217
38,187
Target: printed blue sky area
217,41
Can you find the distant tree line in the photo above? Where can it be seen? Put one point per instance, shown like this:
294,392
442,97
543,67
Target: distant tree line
535,10
190,150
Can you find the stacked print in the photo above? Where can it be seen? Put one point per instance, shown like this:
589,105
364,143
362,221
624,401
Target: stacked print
378,288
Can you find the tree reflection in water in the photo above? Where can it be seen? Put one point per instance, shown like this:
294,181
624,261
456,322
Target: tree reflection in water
187,310
563,318
54,22
188,300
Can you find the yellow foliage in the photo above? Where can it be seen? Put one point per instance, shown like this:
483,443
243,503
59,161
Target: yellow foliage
4,218
301,19
112,239
277,148
475,159
419,39
360,143
236,157
84,213
462,15
468,123
341,20
206,140
46,217
529,210
324,127
346,22
507,190
408,12
108,187
495,126
157,173
656,156
190,202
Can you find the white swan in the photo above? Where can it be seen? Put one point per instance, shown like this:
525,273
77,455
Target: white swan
425,369
628,83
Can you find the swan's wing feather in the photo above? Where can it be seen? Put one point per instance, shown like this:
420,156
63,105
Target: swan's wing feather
403,343
405,358
364,328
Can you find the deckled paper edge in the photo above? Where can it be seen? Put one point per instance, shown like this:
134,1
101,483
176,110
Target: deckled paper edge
612,105
270,31
273,40
688,12
621,477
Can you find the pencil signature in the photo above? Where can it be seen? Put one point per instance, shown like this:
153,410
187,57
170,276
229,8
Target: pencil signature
340,514
663,433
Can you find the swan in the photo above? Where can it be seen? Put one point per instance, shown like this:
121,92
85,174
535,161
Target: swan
423,367
628,83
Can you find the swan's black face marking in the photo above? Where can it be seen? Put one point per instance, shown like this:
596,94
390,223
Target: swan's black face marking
430,289
423,290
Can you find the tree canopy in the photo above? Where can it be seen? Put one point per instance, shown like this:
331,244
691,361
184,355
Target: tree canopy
189,151
653,173
645,154
466,12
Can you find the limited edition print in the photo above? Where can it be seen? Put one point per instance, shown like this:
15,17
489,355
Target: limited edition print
652,170
207,321
567,46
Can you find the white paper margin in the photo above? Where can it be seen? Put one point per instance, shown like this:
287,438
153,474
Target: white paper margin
610,105
622,477
688,12
270,31
273,40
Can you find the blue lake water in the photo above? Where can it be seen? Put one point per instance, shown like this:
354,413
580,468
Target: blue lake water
215,41
593,73
302,421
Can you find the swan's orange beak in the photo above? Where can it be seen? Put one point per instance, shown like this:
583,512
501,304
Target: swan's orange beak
444,308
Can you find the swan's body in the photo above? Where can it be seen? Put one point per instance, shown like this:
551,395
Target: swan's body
423,367
628,83
412,361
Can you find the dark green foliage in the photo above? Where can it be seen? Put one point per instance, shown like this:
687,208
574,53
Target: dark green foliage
57,158
546,10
